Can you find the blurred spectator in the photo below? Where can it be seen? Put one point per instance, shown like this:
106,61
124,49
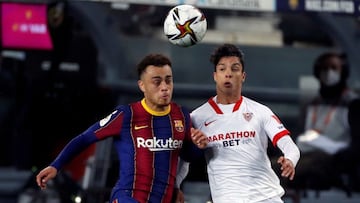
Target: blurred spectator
326,135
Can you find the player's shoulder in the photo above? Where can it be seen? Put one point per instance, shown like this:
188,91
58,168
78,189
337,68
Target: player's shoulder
176,106
202,108
202,113
251,103
124,107
256,107
115,113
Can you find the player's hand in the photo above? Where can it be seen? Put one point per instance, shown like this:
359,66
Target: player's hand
199,138
45,175
287,168
179,196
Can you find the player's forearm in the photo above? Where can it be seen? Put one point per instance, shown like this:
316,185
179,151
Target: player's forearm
289,148
182,171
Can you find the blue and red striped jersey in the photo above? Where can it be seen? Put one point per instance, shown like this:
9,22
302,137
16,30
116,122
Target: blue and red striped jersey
147,143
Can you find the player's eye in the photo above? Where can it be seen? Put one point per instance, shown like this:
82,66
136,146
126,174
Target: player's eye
235,68
157,82
220,68
168,80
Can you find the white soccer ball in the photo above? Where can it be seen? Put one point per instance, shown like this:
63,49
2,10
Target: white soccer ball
185,25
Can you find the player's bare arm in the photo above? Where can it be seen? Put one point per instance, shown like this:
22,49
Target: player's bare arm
45,175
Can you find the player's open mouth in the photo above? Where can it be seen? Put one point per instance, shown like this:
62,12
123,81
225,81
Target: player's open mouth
227,84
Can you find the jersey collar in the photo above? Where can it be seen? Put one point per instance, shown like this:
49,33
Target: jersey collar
155,113
217,109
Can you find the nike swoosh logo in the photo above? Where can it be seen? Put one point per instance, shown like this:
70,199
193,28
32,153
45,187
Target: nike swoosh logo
208,123
140,127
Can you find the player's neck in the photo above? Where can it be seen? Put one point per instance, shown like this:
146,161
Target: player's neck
227,99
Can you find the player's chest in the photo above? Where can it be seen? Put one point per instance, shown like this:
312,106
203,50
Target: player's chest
231,122
156,126
232,131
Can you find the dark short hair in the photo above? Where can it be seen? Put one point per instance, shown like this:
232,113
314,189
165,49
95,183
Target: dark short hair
158,60
224,51
320,60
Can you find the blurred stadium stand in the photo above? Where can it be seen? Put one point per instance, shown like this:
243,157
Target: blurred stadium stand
96,47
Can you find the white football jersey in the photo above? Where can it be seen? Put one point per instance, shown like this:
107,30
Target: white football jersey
238,166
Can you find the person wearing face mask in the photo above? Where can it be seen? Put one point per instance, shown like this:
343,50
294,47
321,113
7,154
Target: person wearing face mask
326,125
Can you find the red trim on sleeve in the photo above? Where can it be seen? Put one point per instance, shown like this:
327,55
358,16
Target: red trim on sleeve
278,136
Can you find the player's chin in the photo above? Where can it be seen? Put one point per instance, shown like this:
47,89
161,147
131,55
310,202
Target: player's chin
164,101
228,90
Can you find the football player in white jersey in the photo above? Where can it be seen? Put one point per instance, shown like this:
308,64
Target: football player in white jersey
238,131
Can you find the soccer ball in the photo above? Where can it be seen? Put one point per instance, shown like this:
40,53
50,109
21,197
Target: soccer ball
185,25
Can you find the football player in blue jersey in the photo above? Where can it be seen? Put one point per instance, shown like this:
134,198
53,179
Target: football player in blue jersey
149,136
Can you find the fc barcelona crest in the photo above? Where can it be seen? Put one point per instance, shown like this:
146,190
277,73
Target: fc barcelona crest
248,116
179,126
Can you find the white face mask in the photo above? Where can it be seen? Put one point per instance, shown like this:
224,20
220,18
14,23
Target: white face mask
330,77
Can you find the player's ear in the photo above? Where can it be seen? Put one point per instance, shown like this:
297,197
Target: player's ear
243,77
141,85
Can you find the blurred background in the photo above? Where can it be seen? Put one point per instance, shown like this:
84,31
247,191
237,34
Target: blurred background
81,63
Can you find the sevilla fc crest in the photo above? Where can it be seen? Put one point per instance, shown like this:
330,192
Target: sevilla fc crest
248,116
